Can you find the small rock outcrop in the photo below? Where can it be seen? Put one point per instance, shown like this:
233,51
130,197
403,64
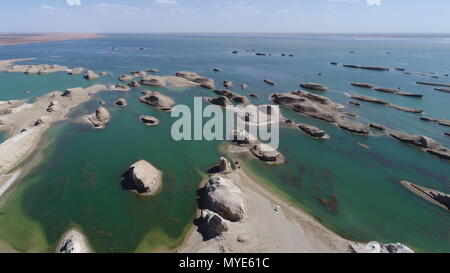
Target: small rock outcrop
194,77
228,84
149,120
157,100
377,126
314,86
363,85
121,102
73,242
53,106
211,224
244,86
153,70
266,153
221,101
224,165
353,127
91,75
134,84
125,78
312,130
232,96
76,71
143,178
270,82
368,99
100,117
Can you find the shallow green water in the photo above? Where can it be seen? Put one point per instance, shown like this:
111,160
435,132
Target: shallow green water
351,189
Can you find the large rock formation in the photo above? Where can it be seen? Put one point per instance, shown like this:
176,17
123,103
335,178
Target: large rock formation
222,196
143,178
99,118
157,100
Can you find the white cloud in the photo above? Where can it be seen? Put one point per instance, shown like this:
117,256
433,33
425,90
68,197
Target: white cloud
373,2
73,2
49,8
166,2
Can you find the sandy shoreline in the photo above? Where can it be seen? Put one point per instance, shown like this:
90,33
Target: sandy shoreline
15,39
289,229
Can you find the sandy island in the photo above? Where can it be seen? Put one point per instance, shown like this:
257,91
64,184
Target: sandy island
14,39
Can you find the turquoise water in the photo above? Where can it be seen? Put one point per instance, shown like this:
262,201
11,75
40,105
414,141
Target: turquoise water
351,189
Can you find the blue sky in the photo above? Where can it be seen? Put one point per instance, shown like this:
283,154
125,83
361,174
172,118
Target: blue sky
360,16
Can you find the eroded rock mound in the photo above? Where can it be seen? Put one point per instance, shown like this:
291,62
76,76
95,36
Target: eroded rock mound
266,153
99,118
314,86
125,78
226,199
91,75
363,85
149,120
143,178
436,197
312,130
232,96
211,224
73,242
157,100
194,77
221,101
121,102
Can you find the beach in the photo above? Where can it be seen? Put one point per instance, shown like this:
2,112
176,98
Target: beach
273,225
15,39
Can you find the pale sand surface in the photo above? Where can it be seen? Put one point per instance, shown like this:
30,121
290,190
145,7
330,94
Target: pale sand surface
13,39
266,230
21,143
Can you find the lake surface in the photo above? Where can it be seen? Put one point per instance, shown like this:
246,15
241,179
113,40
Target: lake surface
354,190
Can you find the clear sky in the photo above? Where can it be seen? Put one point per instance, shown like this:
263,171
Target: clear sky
359,16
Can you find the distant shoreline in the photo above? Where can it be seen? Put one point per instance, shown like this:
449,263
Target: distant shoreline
29,38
